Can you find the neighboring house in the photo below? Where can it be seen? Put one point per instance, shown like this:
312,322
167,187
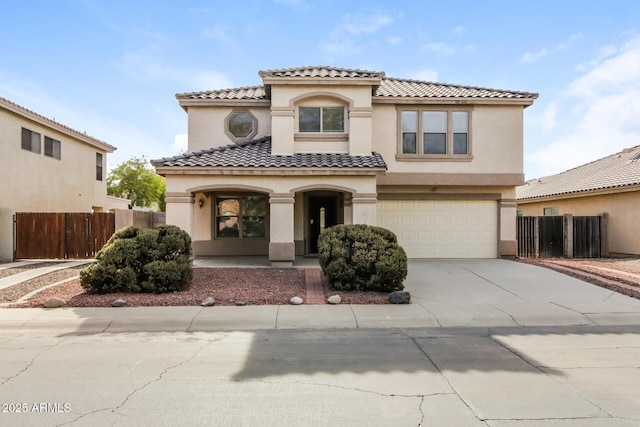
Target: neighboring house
610,185
47,167
271,166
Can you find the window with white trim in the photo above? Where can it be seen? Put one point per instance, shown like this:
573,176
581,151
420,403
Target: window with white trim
321,119
434,134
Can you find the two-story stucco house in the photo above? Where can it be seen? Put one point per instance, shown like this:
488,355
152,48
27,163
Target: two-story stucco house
270,166
47,167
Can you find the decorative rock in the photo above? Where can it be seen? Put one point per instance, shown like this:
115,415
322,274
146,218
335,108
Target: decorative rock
239,303
54,303
296,301
400,297
119,303
334,299
208,302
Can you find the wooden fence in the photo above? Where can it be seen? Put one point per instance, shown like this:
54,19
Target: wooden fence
61,235
561,236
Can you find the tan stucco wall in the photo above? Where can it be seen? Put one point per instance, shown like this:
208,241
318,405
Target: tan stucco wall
206,125
285,99
496,136
32,182
623,228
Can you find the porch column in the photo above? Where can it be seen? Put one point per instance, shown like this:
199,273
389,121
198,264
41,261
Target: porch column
282,248
508,240
363,208
180,211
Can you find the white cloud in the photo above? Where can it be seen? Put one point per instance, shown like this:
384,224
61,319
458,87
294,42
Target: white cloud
146,67
366,24
446,48
394,41
603,105
549,116
459,31
217,32
343,40
529,57
180,143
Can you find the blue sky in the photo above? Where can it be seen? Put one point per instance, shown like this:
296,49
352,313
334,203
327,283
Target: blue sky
112,68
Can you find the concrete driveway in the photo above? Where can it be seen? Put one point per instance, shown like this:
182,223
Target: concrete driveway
496,292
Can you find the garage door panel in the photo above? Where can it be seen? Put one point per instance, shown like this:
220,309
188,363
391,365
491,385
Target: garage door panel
443,229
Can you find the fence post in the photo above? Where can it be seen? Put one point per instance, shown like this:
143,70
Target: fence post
568,235
604,234
536,236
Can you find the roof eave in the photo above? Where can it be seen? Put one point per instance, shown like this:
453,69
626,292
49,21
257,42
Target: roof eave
581,193
274,171
186,103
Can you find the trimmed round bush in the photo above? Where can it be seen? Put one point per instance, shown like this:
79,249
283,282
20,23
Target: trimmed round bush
137,260
362,257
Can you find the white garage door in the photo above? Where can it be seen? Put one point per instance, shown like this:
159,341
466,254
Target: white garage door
442,228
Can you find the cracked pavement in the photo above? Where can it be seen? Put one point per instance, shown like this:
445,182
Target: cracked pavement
502,376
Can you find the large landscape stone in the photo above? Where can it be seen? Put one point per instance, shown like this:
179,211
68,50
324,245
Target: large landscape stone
208,302
400,297
296,301
119,303
54,302
334,299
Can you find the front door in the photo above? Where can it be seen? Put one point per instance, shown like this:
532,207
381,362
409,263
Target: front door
322,213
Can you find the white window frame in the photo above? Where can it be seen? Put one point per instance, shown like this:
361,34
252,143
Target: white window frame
420,155
322,135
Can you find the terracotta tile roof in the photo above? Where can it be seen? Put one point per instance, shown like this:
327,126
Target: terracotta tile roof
617,170
12,106
320,71
248,92
388,88
257,154
394,88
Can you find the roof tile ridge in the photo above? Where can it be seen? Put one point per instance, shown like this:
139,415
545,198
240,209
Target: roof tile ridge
312,67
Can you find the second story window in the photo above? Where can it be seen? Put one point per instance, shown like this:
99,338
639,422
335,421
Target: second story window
434,134
30,140
321,119
98,167
52,148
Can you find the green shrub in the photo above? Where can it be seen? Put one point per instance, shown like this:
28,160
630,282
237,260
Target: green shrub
141,260
362,257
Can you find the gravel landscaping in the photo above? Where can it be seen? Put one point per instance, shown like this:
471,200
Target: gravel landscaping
228,286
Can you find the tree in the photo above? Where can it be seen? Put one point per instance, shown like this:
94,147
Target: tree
135,180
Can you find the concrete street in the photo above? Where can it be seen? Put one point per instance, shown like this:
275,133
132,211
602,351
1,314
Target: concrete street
484,342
